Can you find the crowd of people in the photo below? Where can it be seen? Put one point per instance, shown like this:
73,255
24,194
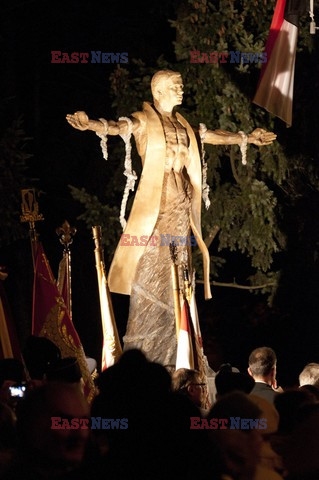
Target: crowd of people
146,422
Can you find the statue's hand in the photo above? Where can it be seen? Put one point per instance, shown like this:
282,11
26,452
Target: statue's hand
78,120
261,137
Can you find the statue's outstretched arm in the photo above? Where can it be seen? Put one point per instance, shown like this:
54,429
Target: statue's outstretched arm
81,121
258,137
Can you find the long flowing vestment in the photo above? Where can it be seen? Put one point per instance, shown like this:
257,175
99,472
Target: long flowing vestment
151,323
167,203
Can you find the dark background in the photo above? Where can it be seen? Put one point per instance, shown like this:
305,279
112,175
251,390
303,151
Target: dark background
43,93
234,322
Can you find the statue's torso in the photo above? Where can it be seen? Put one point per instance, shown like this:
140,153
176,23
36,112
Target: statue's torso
176,159
177,143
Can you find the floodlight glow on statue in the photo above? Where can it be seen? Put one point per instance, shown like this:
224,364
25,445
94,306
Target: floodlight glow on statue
167,202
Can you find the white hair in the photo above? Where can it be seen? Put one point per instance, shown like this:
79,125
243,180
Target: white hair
310,375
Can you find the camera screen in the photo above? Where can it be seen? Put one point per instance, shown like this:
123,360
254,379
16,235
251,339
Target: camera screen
17,390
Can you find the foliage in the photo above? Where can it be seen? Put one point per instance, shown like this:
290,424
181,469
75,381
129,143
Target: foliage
243,198
13,177
95,213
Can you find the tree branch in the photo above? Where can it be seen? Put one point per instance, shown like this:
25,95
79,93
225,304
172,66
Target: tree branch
237,285
210,237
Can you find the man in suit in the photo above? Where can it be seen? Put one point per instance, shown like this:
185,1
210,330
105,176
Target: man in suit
262,367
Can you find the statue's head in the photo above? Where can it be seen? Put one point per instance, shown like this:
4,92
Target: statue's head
167,88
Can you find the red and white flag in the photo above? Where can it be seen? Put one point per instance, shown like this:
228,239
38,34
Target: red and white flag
276,82
185,352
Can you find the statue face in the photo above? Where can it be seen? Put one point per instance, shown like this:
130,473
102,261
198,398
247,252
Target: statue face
171,93
175,90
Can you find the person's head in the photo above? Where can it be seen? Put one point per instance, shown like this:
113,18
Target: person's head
268,413
288,404
167,89
190,383
234,455
238,405
262,365
235,404
39,354
311,390
229,379
36,436
300,451
64,370
310,375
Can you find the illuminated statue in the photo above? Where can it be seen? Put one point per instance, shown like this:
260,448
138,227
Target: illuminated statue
167,202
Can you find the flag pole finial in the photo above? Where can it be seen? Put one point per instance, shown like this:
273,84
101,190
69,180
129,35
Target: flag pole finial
30,214
66,234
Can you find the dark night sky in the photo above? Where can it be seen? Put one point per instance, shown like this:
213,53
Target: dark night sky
44,93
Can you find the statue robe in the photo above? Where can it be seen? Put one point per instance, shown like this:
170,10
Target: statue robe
151,146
